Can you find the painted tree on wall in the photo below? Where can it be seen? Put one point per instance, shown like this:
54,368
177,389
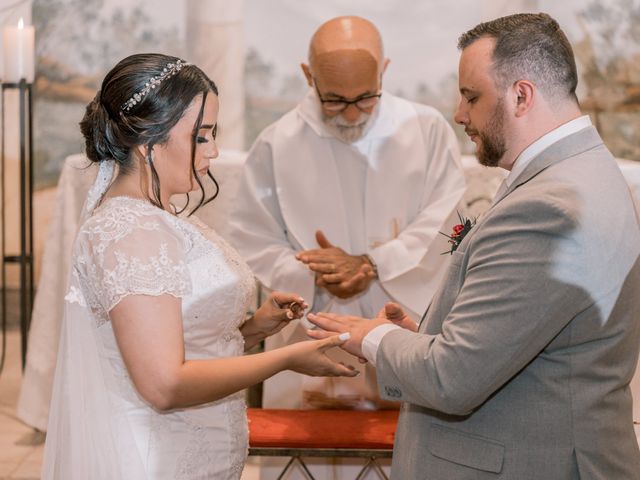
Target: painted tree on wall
77,42
610,56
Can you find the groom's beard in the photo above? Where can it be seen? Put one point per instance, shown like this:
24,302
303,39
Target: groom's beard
350,132
493,146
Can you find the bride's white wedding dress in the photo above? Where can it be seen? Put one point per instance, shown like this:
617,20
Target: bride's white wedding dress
99,426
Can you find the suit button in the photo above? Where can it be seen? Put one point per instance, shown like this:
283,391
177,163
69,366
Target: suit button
393,392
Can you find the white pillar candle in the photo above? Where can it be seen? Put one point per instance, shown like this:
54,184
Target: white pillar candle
18,53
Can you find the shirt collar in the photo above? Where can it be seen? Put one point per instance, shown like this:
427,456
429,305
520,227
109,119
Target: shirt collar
543,142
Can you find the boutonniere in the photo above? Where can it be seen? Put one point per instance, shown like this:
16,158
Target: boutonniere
459,232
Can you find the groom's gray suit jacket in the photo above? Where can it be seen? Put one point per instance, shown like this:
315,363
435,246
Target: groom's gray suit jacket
522,366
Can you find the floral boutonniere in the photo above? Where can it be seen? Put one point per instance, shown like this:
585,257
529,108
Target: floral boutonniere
459,232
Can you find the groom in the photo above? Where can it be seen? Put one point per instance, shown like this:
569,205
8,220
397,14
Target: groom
521,367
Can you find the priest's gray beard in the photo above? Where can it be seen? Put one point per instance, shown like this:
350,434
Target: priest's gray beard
350,132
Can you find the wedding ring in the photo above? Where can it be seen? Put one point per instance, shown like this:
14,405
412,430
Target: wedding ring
295,308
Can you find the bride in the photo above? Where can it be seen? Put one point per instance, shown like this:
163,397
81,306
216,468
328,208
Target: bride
150,370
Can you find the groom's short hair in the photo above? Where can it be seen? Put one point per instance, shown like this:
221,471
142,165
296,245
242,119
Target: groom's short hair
529,46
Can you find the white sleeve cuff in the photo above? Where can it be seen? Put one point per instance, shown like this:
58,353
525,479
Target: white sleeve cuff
371,341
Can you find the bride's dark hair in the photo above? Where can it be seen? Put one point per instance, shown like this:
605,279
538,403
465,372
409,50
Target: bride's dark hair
112,131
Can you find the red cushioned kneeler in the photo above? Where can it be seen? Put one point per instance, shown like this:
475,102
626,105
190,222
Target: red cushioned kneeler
322,433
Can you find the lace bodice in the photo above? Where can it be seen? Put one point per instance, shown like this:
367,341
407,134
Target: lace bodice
129,247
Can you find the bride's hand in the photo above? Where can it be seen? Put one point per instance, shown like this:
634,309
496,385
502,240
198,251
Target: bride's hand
274,314
310,358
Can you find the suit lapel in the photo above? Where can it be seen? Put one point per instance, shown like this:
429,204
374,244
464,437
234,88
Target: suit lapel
567,147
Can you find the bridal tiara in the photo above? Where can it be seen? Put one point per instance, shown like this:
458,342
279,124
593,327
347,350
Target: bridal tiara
169,71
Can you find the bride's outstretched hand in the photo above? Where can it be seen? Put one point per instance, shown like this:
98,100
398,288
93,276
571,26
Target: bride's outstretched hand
309,357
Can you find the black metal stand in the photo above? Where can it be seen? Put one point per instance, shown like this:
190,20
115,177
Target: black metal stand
24,257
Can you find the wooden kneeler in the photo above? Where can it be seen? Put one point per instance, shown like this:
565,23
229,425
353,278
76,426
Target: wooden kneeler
322,433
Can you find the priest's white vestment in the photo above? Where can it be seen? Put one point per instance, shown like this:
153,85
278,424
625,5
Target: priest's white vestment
388,194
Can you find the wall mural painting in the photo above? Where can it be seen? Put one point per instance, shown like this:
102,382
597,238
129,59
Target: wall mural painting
76,42
609,54
421,41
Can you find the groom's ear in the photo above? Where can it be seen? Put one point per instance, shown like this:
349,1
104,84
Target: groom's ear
523,95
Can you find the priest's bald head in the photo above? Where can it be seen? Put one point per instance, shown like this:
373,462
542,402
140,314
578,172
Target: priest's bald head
346,63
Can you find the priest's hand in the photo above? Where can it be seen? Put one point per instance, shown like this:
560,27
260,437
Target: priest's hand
342,274
272,316
348,288
357,327
395,313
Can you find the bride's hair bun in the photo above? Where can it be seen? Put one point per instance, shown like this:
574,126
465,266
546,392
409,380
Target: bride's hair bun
103,139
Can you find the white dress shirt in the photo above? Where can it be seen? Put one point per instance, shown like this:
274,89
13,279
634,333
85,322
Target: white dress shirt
543,142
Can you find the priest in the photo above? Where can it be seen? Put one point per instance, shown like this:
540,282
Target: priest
342,201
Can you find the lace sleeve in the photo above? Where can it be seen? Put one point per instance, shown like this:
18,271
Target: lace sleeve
129,252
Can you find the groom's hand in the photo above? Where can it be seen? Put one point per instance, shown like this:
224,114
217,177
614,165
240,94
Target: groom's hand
358,328
395,313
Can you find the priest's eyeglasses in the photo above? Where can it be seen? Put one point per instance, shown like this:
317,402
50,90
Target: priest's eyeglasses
363,103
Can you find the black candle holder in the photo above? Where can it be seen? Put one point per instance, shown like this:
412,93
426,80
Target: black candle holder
24,257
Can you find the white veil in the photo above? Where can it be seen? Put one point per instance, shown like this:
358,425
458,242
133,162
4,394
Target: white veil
86,438
98,189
